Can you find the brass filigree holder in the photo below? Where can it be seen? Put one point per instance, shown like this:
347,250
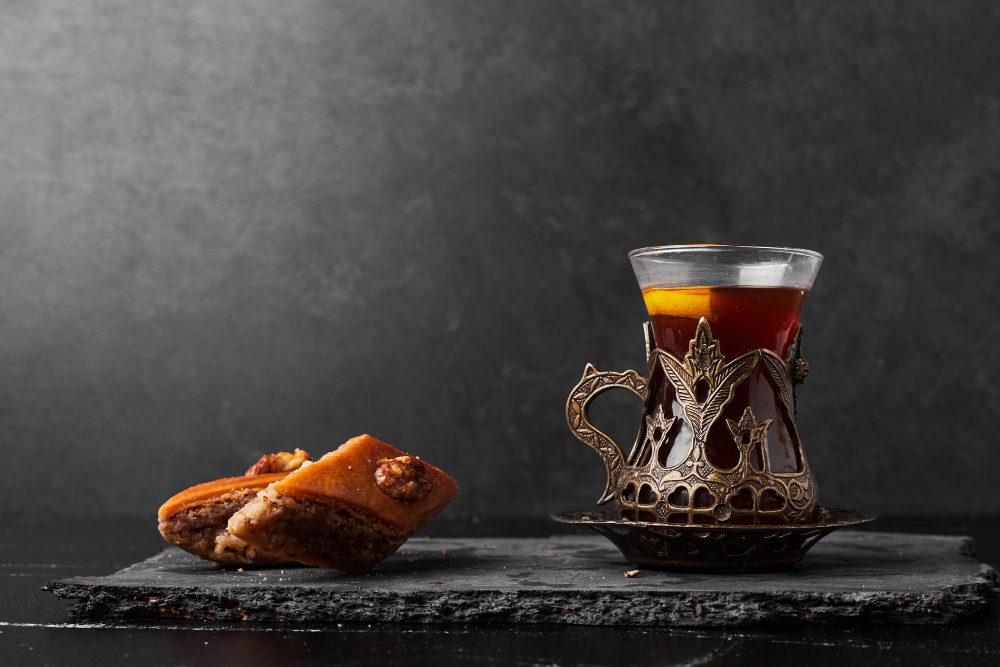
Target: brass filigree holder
691,513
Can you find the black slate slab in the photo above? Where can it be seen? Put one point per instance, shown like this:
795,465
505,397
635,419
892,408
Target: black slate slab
849,576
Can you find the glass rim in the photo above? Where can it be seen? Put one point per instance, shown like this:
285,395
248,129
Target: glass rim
717,247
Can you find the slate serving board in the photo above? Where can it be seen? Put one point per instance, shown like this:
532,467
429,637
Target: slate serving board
848,577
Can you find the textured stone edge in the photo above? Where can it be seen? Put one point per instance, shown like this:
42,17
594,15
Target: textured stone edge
538,605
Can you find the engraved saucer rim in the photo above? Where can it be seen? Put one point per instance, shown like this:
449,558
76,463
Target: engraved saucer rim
835,518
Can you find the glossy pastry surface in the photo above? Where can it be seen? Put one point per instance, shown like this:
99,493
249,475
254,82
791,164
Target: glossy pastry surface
347,511
195,519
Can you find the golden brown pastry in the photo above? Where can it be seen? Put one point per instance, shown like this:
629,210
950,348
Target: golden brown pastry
349,510
195,519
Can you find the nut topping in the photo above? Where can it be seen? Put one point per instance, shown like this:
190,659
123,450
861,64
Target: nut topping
402,478
280,462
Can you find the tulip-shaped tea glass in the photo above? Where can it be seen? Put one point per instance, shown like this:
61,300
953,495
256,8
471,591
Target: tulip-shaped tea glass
718,443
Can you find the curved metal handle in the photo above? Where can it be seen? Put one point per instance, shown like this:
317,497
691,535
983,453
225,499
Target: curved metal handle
593,383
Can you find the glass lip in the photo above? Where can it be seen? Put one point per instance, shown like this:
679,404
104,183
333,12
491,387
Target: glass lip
717,247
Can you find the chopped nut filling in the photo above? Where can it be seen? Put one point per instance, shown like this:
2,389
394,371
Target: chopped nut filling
280,462
402,478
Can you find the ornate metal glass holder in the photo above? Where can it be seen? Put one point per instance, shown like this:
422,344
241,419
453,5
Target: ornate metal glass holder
691,513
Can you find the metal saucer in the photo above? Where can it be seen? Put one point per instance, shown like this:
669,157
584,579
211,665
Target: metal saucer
713,546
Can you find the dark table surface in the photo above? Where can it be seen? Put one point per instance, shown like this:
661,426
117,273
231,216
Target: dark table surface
36,628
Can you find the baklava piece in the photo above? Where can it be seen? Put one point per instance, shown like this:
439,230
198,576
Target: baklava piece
195,519
348,511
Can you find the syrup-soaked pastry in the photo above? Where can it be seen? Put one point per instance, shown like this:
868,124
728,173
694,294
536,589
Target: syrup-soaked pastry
195,519
348,511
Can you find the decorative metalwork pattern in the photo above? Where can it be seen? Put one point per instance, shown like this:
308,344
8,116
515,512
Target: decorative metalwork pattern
690,490
704,363
714,547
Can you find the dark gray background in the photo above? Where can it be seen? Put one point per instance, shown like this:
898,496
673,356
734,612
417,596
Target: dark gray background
231,228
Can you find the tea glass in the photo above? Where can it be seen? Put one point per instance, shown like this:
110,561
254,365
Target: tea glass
718,441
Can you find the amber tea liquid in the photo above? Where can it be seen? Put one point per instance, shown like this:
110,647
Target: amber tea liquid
742,319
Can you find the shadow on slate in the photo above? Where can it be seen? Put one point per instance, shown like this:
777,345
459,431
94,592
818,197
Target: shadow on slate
849,577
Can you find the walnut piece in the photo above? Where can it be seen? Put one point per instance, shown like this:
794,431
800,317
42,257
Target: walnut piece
280,462
402,478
